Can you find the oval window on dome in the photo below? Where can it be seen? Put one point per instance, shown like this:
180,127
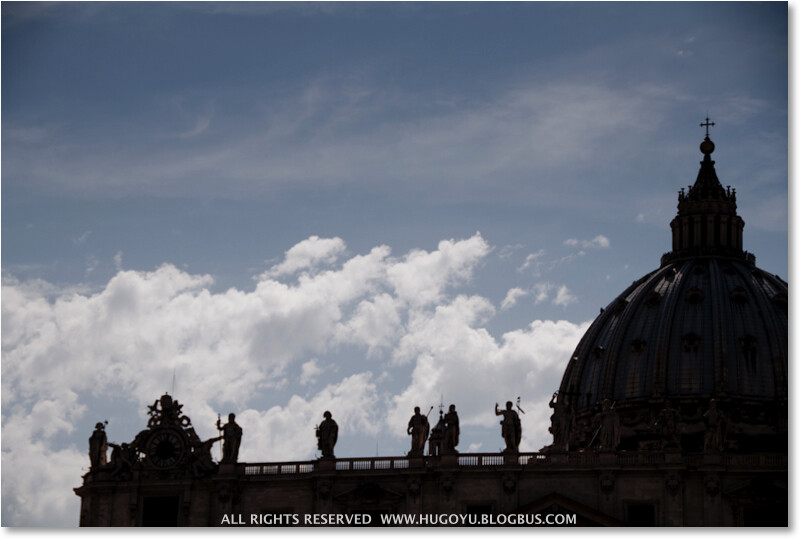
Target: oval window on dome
637,345
781,301
652,299
694,296
738,295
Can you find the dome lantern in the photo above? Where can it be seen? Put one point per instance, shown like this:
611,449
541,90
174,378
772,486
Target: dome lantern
707,223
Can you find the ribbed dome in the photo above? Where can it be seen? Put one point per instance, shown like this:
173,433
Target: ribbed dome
708,324
695,327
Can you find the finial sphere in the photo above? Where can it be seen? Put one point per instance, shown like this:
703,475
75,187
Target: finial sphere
707,146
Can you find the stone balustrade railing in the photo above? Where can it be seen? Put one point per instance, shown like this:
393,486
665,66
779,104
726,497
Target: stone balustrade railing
487,460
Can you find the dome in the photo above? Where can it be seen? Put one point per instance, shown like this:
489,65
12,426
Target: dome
706,325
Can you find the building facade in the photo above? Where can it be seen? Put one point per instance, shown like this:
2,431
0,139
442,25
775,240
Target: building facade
672,411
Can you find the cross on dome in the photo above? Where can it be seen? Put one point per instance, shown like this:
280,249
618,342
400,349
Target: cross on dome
706,125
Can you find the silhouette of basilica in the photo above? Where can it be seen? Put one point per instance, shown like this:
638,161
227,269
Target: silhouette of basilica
672,411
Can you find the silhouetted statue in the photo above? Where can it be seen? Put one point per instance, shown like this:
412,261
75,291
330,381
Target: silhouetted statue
327,434
667,423
715,421
418,428
98,446
608,427
166,411
451,431
232,439
511,427
201,461
560,423
123,457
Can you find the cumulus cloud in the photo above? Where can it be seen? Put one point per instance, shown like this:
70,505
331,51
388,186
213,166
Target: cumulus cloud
512,296
310,371
375,323
598,242
422,276
307,254
65,350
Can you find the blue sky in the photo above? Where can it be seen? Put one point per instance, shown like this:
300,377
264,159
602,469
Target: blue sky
357,207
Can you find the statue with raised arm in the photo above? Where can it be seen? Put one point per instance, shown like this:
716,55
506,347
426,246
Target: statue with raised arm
123,458
327,434
511,427
418,428
451,431
231,439
200,460
608,427
98,446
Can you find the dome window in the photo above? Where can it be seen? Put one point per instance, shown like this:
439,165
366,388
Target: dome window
699,269
738,295
637,346
598,352
749,348
652,299
781,301
694,296
691,343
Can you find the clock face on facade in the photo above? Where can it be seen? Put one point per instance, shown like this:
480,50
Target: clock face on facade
165,449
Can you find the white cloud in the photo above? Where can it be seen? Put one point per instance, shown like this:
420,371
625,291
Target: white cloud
375,323
421,277
82,239
542,291
310,371
512,296
307,254
63,349
508,250
91,264
598,242
533,260
118,261
564,297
